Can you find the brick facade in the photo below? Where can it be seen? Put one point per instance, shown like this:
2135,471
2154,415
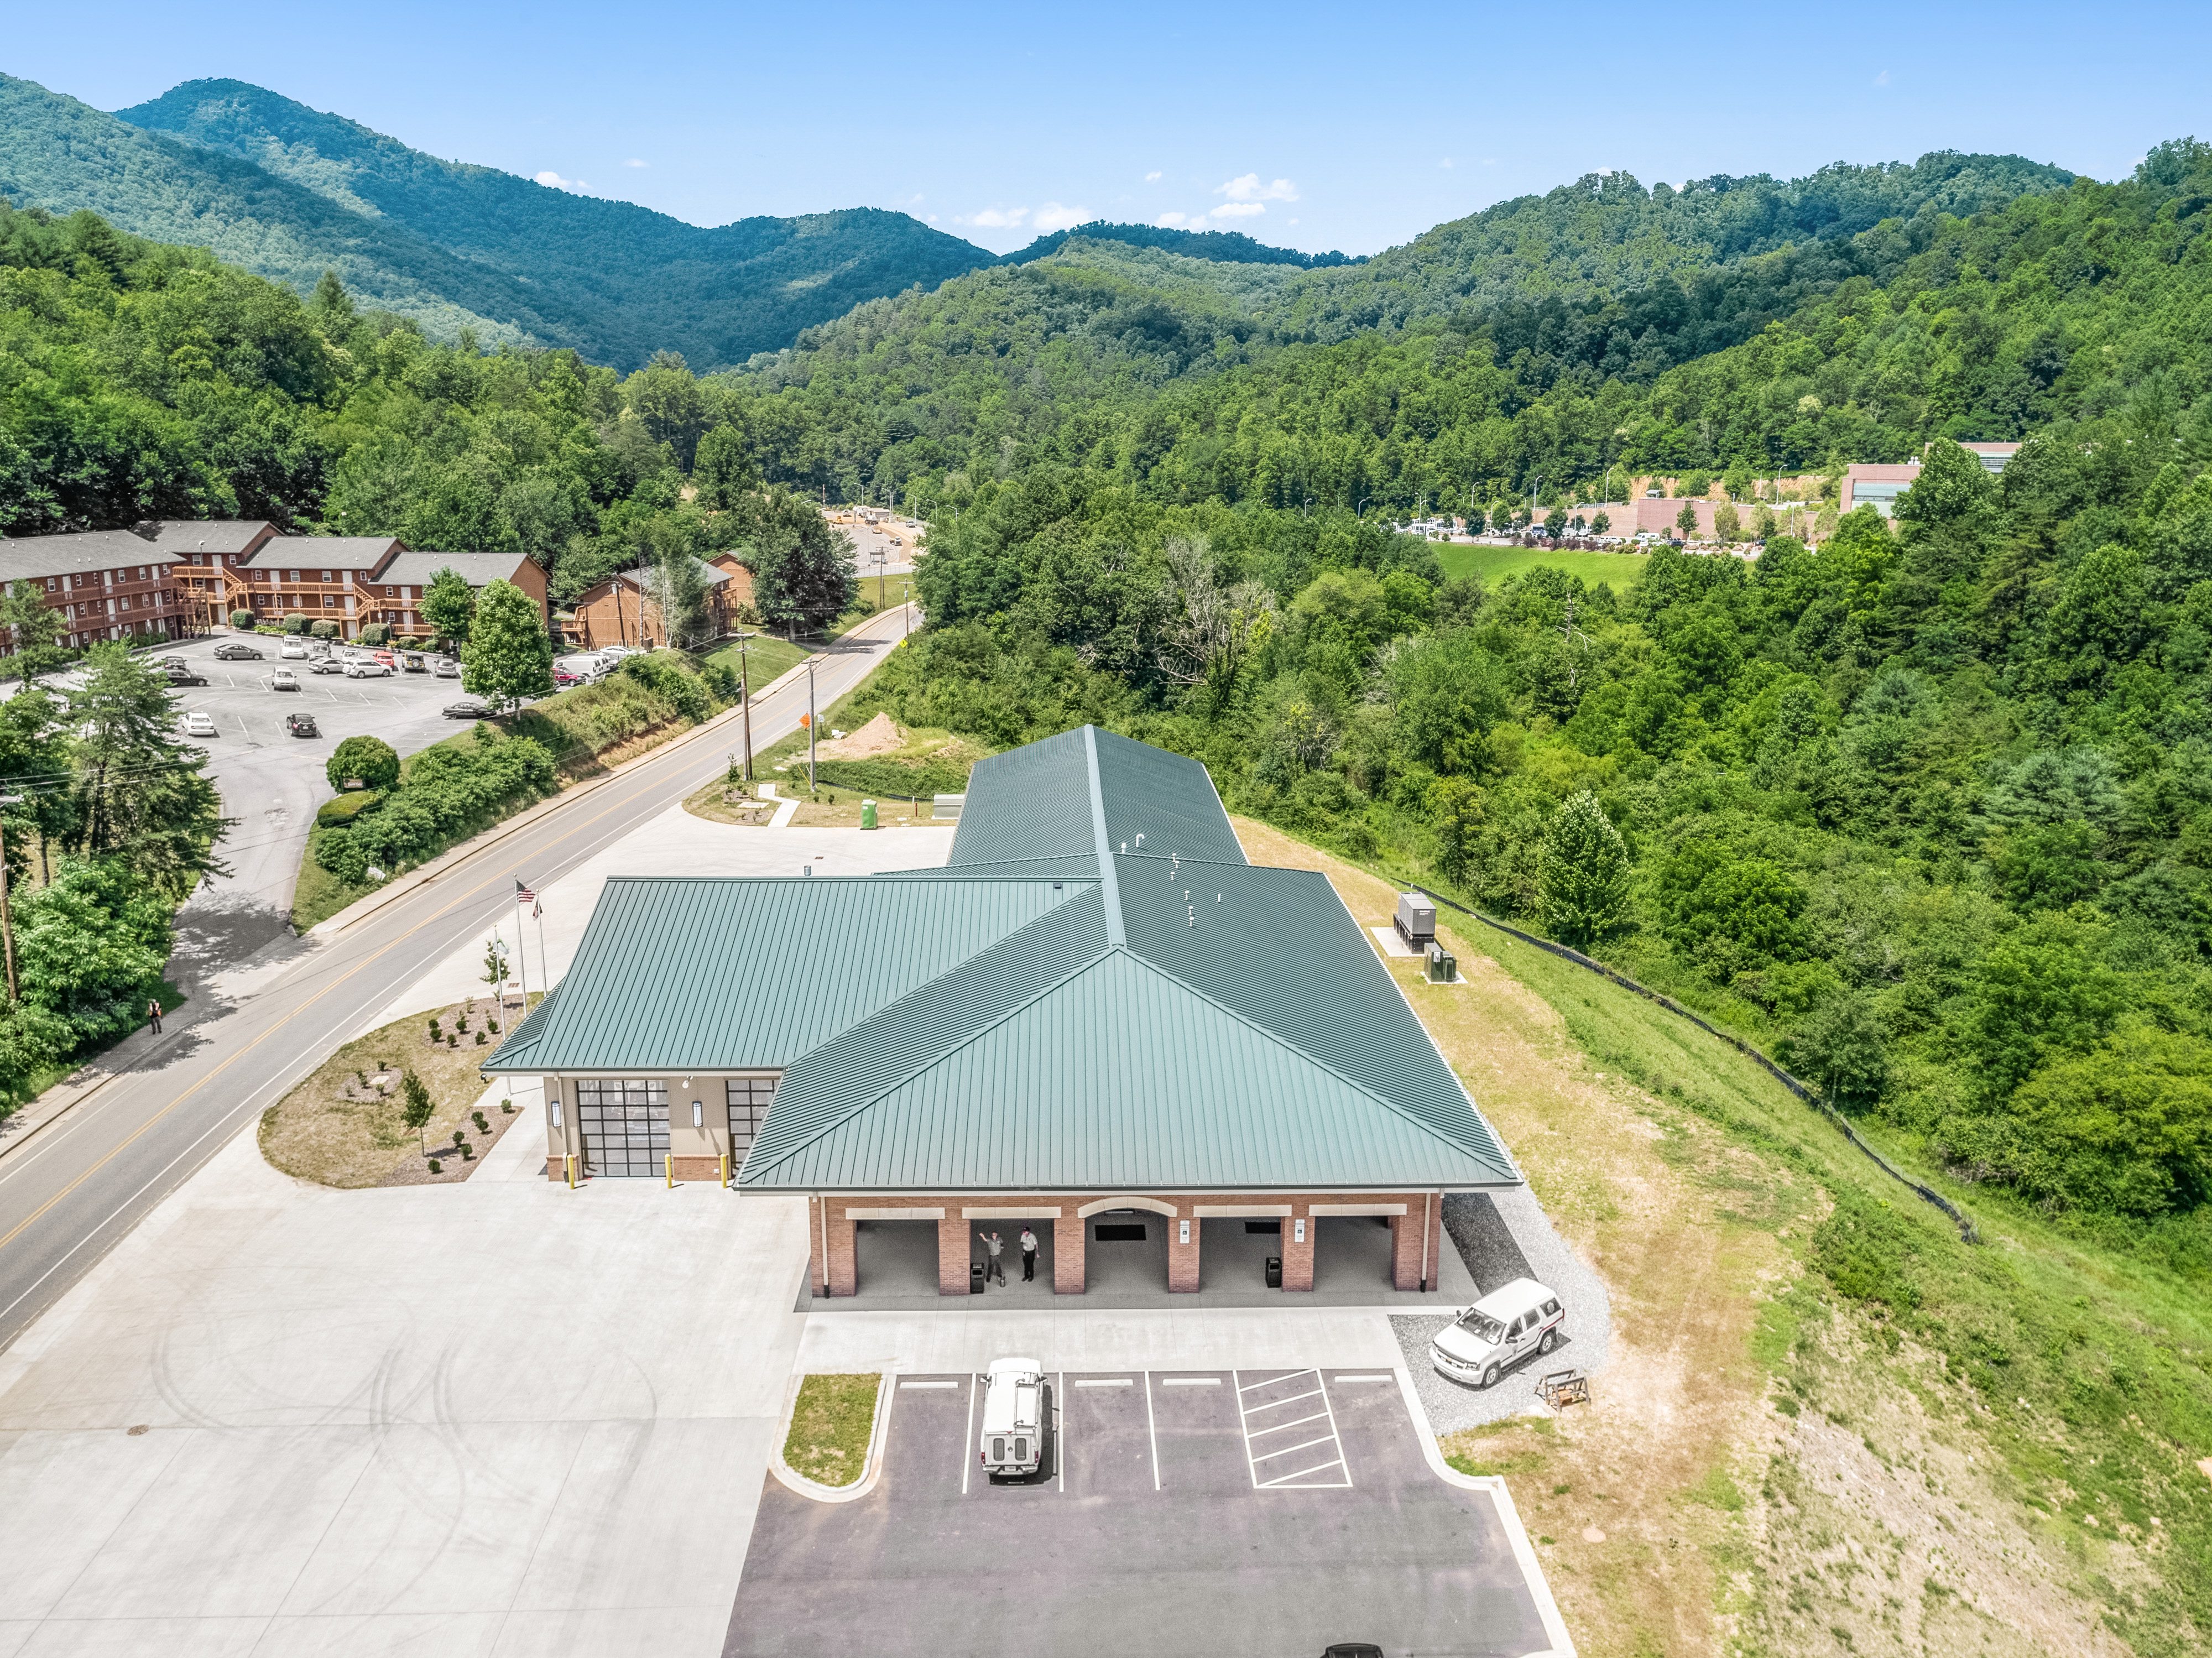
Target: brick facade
1423,1217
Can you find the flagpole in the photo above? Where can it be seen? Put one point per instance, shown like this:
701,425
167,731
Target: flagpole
545,977
522,966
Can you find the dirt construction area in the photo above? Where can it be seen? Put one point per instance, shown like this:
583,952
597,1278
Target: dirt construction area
1227,1513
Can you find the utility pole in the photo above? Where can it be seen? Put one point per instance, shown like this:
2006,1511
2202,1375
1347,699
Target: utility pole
6,921
745,701
811,722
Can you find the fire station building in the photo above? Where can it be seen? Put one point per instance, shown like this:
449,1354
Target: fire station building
1099,1022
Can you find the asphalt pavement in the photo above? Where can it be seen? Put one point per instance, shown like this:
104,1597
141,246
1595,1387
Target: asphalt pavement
249,1032
272,782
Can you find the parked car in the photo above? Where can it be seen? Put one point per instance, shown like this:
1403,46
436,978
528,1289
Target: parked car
230,651
181,673
413,662
389,659
362,668
284,680
301,724
1015,1403
293,650
327,665
1505,1327
199,724
468,707
446,668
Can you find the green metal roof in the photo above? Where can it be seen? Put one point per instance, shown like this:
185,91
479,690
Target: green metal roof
1047,1012
1051,798
678,974
1126,1081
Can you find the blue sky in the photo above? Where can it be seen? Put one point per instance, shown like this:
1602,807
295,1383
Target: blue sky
1312,127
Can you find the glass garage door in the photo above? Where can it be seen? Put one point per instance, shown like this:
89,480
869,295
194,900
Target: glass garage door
750,1099
624,1123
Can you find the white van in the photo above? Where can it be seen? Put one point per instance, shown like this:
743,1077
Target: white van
1499,1331
1013,1417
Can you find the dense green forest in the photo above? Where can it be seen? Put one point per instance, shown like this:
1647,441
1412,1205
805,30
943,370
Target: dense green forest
1164,371
1228,246
285,191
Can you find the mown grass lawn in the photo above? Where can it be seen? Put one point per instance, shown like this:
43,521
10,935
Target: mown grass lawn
1494,564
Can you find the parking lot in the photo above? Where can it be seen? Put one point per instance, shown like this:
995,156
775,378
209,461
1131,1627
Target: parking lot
272,781
1224,1512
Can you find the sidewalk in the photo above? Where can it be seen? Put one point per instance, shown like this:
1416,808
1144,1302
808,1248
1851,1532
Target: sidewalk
133,1053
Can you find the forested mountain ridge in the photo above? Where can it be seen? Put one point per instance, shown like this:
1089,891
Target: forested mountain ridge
277,188
1230,246
1156,370
636,281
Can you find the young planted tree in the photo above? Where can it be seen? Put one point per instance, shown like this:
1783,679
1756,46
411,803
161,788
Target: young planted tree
1686,520
415,1106
449,605
508,658
35,630
1583,881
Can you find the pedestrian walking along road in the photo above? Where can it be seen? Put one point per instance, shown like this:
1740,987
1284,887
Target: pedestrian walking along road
153,1015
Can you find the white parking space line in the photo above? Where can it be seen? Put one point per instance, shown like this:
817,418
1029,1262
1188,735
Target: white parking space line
1379,1375
1103,1382
1254,1454
1190,1381
968,1439
1059,1430
921,1386
1151,1432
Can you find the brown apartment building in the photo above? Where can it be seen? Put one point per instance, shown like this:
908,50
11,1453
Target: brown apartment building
167,579
620,611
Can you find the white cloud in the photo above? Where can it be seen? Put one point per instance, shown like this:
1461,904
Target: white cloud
1237,210
1882,79
632,161
1249,189
1153,177
994,218
1053,216
553,181
1171,220
1447,161
1294,222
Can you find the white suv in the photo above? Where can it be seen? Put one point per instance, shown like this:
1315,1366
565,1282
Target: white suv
1505,1327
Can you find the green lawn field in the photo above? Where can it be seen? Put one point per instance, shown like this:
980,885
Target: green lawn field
1492,564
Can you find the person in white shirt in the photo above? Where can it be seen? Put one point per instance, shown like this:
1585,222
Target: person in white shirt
1029,1254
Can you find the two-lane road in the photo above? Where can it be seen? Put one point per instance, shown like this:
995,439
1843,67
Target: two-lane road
67,1195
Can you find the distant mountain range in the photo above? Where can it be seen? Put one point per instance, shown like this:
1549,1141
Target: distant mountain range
285,191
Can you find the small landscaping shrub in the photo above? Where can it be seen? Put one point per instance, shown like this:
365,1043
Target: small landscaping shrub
451,1041
492,1025
434,1167
480,1039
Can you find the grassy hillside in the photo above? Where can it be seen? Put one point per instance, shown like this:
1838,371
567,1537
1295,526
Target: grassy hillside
1827,1423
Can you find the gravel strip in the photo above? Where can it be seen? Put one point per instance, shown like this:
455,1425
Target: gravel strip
1501,1237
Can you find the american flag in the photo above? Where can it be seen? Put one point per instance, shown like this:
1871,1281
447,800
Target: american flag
525,899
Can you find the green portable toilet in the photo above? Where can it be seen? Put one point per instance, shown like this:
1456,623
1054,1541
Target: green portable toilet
867,814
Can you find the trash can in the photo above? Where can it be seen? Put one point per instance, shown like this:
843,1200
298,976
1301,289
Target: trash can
867,814
976,1277
1274,1272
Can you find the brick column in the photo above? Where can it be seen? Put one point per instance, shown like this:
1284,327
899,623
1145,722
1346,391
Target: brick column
1298,1257
815,1284
1068,1238
953,1252
843,1279
1182,1258
1406,1249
